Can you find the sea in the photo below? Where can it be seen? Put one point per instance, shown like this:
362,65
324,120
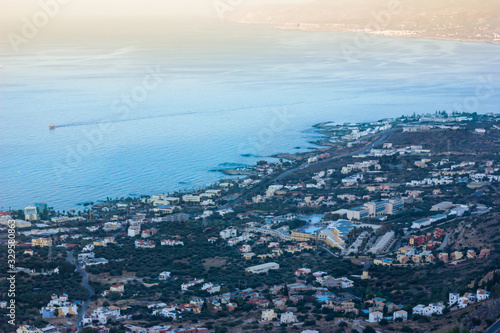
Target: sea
146,116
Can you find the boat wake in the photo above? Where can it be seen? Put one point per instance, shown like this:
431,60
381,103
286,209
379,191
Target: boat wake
108,121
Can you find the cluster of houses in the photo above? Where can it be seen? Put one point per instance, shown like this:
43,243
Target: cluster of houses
59,306
276,250
186,286
406,254
171,242
164,329
285,317
468,298
326,280
355,132
376,312
194,306
102,316
143,244
230,235
361,166
89,259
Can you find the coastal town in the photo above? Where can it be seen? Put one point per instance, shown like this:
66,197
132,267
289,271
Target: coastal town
387,226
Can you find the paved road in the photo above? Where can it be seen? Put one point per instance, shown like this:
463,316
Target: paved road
85,284
290,171
445,242
495,328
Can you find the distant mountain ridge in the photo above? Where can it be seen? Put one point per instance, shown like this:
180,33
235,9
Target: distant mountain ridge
442,19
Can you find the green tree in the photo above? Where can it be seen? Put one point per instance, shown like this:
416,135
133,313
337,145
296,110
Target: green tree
89,330
369,329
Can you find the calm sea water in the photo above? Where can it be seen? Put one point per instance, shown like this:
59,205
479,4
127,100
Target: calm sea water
226,92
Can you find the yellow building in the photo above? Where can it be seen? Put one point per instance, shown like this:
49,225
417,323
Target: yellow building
248,255
330,237
302,236
28,329
42,242
457,255
365,275
405,249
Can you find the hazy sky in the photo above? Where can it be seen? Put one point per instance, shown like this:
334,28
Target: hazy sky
13,9
109,18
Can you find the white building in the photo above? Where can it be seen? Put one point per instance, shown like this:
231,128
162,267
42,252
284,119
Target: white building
211,288
87,255
191,198
433,308
419,309
169,312
164,276
102,315
453,298
186,286
228,233
134,230
401,314
171,242
345,282
482,295
288,318
383,243
375,317
57,306
264,268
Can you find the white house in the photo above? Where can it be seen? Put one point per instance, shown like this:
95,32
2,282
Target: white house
102,315
186,286
228,233
436,308
346,283
133,230
169,312
419,309
429,310
88,248
211,288
453,298
171,242
375,317
164,276
245,248
482,295
288,318
401,314
58,306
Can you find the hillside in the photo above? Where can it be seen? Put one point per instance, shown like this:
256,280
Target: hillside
447,19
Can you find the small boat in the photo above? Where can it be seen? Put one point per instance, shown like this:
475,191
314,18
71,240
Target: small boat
51,127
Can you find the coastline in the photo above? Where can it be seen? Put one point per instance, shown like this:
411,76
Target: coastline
322,145
308,27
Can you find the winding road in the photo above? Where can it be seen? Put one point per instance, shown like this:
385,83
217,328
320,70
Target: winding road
85,284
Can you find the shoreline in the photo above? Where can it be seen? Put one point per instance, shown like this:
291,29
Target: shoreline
321,146
494,41
311,27
338,139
